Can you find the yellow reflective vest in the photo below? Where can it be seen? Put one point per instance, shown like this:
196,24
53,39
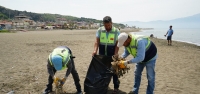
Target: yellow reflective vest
64,53
132,48
107,43
151,49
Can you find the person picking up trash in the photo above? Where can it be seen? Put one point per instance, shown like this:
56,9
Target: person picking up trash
144,54
60,59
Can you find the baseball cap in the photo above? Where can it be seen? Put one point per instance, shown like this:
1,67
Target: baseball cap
107,19
57,62
122,38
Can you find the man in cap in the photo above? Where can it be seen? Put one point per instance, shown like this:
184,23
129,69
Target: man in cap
106,42
60,59
145,54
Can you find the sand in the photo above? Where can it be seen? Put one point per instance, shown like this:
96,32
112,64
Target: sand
24,54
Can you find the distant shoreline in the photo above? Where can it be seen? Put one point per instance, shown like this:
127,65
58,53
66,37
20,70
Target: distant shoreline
196,44
181,35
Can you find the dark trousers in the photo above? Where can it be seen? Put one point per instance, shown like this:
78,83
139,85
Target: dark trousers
74,75
107,61
115,81
169,37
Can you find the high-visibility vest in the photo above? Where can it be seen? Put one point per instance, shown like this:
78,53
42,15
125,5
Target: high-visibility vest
107,43
151,49
64,53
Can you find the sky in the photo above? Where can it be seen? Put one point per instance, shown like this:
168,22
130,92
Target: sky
118,10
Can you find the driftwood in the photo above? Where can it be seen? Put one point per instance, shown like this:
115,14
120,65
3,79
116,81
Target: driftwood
58,87
115,66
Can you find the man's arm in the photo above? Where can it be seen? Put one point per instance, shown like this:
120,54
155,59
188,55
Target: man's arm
96,46
69,69
125,54
140,52
116,48
166,33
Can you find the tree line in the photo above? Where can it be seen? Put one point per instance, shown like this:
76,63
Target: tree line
9,14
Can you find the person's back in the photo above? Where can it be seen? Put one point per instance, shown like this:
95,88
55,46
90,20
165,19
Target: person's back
61,58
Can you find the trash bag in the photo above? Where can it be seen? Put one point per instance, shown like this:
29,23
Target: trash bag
98,75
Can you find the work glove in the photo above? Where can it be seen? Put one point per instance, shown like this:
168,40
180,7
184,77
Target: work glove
123,64
63,80
55,79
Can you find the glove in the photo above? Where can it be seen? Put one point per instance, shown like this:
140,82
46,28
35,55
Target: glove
63,80
123,64
55,79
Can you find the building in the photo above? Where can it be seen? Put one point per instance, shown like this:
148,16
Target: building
22,22
5,25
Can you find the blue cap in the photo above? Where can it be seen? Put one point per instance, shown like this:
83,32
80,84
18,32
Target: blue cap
57,62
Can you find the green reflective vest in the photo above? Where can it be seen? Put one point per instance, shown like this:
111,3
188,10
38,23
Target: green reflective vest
108,41
132,48
64,53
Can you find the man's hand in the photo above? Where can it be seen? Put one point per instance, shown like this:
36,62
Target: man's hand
123,64
115,57
165,35
63,80
94,53
55,79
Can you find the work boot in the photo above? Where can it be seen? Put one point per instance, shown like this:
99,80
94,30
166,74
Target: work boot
47,91
116,91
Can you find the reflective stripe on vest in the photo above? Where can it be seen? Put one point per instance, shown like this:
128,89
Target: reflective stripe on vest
132,48
64,53
110,40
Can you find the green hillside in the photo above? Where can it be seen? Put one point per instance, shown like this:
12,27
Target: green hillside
6,14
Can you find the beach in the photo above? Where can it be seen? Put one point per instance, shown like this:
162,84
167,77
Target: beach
23,61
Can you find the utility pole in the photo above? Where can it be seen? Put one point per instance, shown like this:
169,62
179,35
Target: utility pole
9,14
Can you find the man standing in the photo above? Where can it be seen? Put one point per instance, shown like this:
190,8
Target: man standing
106,42
169,35
145,54
60,59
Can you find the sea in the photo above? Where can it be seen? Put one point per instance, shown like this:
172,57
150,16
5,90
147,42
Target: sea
188,35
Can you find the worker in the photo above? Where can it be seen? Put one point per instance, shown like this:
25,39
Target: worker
60,59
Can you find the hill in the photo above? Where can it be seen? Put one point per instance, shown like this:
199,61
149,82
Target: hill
185,22
9,14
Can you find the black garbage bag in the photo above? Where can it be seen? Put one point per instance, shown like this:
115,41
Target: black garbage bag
98,75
